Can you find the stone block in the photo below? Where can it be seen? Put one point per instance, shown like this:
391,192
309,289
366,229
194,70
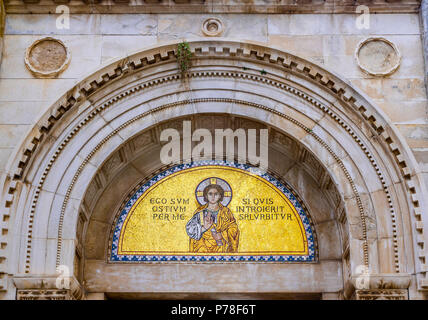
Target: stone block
96,296
55,211
404,89
416,134
120,46
313,24
254,278
302,46
51,250
253,27
330,247
41,224
138,24
83,45
68,249
383,217
21,113
319,207
340,44
94,248
278,24
404,112
102,213
372,87
379,24
85,52
45,24
35,89
386,255
11,135
344,66
5,153
70,217
38,256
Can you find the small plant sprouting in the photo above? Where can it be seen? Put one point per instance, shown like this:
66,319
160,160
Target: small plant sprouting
183,56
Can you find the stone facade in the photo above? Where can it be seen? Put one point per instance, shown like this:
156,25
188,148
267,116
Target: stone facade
352,144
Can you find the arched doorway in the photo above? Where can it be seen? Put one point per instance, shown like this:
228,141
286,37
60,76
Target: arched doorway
136,162
344,144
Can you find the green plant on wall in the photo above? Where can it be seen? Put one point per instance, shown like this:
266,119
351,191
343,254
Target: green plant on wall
183,56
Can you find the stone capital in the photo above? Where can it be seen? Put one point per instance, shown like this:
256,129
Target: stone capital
378,286
47,287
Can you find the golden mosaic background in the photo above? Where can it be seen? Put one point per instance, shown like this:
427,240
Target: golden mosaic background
156,224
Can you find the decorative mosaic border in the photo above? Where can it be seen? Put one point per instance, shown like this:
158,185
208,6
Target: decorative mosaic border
115,257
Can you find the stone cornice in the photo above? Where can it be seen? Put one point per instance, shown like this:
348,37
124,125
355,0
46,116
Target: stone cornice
212,6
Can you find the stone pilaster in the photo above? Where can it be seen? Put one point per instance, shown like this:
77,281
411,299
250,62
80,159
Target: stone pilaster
2,24
423,14
47,288
3,272
422,274
378,287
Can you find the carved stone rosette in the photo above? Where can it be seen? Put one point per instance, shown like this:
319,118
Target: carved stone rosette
212,27
378,56
47,57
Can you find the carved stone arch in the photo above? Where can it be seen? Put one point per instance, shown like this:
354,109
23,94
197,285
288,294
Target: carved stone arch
106,199
367,159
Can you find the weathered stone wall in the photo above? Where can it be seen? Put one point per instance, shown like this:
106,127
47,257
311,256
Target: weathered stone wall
327,39
3,275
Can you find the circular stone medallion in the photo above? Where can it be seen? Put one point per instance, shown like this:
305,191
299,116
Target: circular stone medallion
212,27
377,56
47,57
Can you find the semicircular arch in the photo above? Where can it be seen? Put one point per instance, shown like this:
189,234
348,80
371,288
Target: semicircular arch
338,124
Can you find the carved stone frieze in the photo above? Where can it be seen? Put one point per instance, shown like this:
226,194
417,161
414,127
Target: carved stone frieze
35,294
205,6
52,287
382,294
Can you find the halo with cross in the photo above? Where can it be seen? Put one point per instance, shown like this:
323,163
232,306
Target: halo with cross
199,192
